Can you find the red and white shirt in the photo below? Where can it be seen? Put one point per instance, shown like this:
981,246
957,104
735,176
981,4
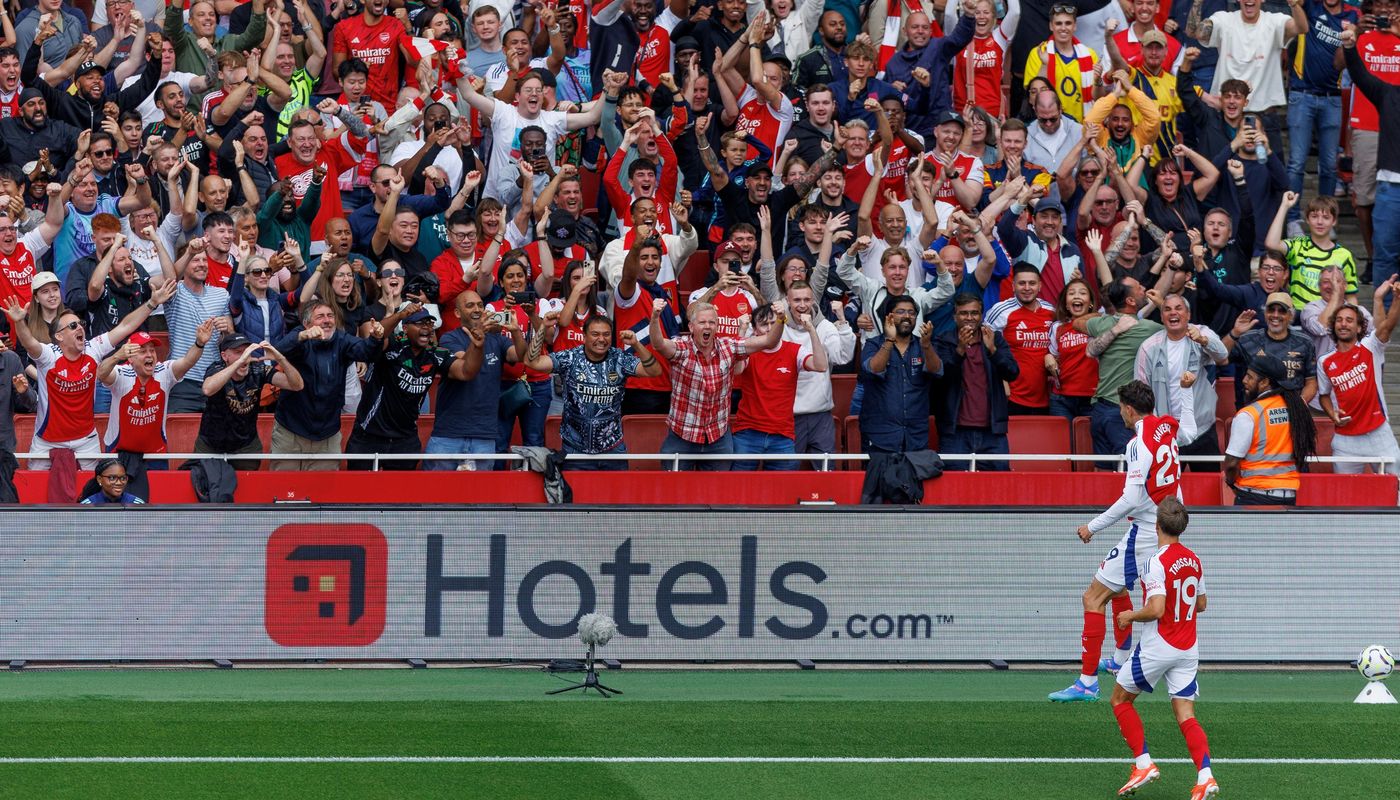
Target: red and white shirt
701,387
858,176
137,421
567,337
634,314
1079,374
895,171
336,161
656,52
18,268
969,169
759,120
1131,49
732,308
1380,50
66,389
1353,379
378,46
985,59
1027,332
1174,573
1153,473
220,272
768,388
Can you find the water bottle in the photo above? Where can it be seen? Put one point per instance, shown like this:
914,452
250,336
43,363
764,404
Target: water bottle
1260,151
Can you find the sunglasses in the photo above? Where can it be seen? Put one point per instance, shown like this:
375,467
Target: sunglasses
1061,8
72,326
386,183
392,273
102,153
260,272
1090,173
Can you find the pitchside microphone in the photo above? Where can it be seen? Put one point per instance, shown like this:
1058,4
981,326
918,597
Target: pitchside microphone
594,630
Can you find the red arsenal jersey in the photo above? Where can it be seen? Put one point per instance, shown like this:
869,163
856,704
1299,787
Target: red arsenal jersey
137,421
1163,476
1353,379
1027,332
1174,573
768,389
1380,50
378,46
985,57
1079,374
759,120
732,309
66,391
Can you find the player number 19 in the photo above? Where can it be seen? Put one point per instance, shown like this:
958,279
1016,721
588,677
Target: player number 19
1186,598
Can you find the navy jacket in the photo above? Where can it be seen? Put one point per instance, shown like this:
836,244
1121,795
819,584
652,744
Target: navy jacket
248,318
894,413
1001,366
314,412
925,104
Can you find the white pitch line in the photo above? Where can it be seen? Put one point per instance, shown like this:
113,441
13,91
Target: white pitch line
1383,762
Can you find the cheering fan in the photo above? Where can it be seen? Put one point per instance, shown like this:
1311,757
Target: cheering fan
594,630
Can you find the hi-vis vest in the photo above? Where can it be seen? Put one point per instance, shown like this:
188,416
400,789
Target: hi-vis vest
1269,462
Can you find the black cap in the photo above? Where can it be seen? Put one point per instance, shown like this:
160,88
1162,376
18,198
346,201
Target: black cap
950,116
420,316
562,231
230,342
687,43
1270,367
89,66
781,60
546,77
761,166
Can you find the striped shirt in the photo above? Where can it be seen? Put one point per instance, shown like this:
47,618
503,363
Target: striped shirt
184,313
1307,261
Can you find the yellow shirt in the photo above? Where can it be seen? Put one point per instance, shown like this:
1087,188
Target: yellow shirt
1066,74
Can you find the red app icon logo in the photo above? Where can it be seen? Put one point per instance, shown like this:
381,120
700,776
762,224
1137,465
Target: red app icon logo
326,585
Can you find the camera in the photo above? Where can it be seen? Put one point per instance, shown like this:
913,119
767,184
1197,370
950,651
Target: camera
1382,22
500,317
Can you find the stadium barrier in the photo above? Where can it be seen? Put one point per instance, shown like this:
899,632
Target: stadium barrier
734,584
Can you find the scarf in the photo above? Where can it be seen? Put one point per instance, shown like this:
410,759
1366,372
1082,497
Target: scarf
665,286
890,40
1083,55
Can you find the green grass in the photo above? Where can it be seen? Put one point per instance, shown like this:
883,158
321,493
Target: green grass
503,712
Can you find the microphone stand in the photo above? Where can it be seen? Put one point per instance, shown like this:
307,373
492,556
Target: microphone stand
590,680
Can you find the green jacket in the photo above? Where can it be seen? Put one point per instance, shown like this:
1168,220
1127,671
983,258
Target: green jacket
271,229
188,56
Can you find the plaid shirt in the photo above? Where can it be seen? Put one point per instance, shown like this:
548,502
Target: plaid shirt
700,388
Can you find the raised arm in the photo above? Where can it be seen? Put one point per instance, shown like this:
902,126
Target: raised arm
202,335
1274,239
380,240
98,283
657,332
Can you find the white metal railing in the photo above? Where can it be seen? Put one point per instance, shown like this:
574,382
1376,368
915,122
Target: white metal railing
1383,464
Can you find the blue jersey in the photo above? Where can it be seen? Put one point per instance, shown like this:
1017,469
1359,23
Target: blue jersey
467,409
75,237
1312,67
592,421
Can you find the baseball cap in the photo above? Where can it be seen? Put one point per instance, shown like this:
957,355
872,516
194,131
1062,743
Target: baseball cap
1050,204
761,166
562,231
727,249
949,116
687,43
88,66
1153,36
231,342
1279,298
140,339
1270,367
41,280
420,316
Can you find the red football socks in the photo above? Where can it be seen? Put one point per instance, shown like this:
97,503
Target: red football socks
1122,637
1131,725
1092,641
1195,742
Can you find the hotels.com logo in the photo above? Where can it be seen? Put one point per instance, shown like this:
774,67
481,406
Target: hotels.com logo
325,585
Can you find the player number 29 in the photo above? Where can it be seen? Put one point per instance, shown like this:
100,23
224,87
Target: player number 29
1186,598
1167,458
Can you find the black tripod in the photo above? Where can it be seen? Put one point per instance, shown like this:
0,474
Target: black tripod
590,680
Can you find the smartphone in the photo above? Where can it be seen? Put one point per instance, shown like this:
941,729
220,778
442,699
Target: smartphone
1251,120
736,267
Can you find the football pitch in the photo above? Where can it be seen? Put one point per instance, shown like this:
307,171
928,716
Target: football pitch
492,733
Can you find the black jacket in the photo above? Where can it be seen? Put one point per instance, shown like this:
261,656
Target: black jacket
314,412
1001,366
78,110
20,144
809,140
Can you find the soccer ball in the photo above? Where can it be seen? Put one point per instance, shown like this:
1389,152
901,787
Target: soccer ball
1375,663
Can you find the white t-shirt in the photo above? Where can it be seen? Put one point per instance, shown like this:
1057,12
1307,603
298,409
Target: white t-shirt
1181,400
448,159
1250,53
149,112
498,73
506,124
870,260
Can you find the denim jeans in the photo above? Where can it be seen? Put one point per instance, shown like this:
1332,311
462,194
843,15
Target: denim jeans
1385,238
1111,436
532,417
1070,407
1312,115
752,441
675,444
102,400
597,465
980,441
443,444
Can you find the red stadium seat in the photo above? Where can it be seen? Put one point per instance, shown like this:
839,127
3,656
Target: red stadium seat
24,432
1082,441
644,433
850,438
552,439
843,387
1225,399
590,183
265,420
1326,429
180,432
693,276
1039,435
425,427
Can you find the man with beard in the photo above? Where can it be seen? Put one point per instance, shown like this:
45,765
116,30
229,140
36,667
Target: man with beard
1271,438
191,53
234,386
20,255
396,383
1025,319
308,159
1351,378
280,217
1276,338
1177,362
23,138
1054,135
83,108
594,380
977,365
922,67
703,367
82,201
465,422
827,61
1119,135
629,32
181,127
117,287
897,375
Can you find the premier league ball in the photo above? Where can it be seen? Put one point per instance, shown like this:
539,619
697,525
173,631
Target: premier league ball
1375,663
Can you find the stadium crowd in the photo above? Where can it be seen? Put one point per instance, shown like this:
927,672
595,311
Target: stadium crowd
983,209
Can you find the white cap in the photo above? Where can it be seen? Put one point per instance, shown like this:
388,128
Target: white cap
41,280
